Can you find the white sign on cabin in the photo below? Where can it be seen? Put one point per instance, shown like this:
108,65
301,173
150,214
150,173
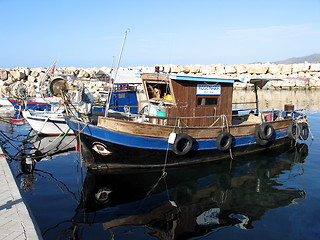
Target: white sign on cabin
207,89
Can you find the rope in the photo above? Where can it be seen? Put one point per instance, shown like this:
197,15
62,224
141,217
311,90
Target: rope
43,124
164,172
225,122
48,153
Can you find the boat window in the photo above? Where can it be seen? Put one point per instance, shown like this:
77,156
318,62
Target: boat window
159,91
205,101
121,95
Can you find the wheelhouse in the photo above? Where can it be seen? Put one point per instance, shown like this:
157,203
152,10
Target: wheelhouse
196,100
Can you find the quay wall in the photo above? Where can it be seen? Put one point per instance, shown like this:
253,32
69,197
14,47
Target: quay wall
293,76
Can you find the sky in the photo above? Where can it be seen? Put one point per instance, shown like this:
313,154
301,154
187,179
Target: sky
77,33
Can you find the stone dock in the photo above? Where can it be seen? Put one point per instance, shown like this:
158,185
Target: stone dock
16,221
292,76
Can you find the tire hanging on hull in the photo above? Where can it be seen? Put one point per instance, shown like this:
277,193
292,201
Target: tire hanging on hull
257,137
304,130
182,144
224,141
293,130
266,130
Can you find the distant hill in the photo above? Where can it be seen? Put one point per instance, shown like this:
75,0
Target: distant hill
314,58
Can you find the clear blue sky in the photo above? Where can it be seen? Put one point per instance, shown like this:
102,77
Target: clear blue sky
76,33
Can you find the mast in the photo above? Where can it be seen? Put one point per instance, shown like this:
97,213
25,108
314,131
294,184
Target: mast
115,75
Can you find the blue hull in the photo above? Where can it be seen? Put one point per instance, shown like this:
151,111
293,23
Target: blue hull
158,143
151,152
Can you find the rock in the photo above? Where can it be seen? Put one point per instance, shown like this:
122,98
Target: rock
16,75
274,69
301,67
241,69
175,69
288,83
301,83
240,85
275,84
34,73
42,77
167,68
301,74
230,69
315,67
314,83
31,79
83,74
185,68
220,70
3,74
286,69
290,73
209,69
195,69
308,75
258,68
26,71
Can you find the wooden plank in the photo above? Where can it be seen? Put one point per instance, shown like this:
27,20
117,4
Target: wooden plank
159,131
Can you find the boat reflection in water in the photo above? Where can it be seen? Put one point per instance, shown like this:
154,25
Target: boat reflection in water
193,201
37,148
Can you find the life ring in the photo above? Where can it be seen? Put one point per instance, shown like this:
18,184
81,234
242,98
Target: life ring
182,144
224,141
266,130
293,130
259,140
304,131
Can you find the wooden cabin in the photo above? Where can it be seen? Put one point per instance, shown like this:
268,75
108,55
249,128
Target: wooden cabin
195,99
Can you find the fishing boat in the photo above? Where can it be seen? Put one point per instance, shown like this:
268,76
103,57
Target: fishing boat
185,120
47,122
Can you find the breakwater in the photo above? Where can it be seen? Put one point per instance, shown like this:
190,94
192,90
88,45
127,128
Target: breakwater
291,76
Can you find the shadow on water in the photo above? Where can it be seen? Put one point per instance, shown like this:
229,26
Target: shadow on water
191,201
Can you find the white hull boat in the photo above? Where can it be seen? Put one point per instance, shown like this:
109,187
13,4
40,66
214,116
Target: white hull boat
48,123
5,105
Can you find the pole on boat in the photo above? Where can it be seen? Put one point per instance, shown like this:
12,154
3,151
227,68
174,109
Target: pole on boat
115,75
257,100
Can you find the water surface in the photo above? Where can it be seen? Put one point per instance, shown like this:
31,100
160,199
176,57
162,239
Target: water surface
270,195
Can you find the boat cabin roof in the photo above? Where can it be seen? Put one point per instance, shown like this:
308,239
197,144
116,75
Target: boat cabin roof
201,79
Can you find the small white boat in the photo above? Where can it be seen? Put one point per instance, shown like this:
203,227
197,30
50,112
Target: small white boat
5,105
47,122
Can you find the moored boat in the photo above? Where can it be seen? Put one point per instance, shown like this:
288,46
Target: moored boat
46,122
185,120
30,104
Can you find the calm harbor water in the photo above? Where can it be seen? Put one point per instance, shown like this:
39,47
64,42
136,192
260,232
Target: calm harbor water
271,195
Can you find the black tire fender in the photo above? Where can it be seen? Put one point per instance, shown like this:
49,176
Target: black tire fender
182,144
258,139
304,131
293,130
266,130
224,141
